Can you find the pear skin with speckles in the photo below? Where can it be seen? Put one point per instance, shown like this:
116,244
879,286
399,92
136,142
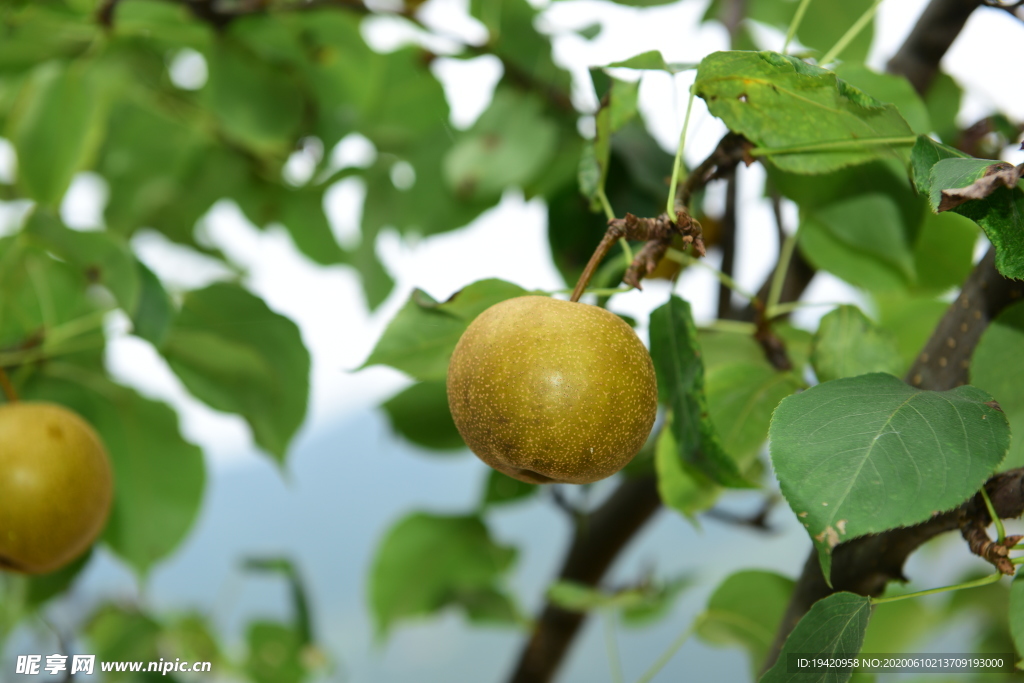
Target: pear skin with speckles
56,486
551,391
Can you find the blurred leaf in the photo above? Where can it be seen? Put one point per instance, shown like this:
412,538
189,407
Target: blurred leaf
618,106
590,32
258,104
658,600
192,638
889,89
752,92
501,489
944,251
848,344
897,626
159,476
421,337
421,415
834,626
56,128
911,321
996,368
1017,613
303,622
864,454
42,588
154,314
861,240
681,488
652,60
508,146
122,634
943,102
489,606
454,559
237,355
745,610
99,257
302,212
275,653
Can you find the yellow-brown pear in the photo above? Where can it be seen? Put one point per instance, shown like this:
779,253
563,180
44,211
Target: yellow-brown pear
55,486
551,391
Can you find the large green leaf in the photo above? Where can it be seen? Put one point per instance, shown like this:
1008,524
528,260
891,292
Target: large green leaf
618,106
944,251
454,560
869,453
996,367
56,127
237,355
677,362
421,415
780,102
834,627
420,339
745,610
847,344
158,476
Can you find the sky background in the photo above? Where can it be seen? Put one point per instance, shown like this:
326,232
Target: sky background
348,478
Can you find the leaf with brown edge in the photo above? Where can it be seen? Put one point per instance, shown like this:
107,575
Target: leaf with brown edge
1000,174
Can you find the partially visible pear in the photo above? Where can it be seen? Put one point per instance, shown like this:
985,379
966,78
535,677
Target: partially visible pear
56,486
551,391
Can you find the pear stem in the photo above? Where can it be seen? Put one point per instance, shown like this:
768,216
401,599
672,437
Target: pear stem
7,387
610,238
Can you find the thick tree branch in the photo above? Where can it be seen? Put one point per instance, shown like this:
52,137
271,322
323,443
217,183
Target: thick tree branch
727,242
919,57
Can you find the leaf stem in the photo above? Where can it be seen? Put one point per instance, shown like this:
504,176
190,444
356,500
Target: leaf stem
795,24
671,651
614,664
1000,530
686,259
627,251
670,207
977,583
779,276
8,388
834,146
850,34
605,204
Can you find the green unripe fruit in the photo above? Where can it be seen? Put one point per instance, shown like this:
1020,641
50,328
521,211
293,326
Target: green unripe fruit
551,391
56,486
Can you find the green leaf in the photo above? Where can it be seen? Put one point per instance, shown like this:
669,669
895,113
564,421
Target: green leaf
1000,215
159,476
154,314
258,104
100,257
780,102
743,390
680,371
508,146
943,102
898,626
657,601
944,251
864,454
861,240
996,368
652,60
925,154
911,320
302,621
834,626
639,604
275,653
684,489
56,127
745,610
454,559
501,489
122,634
1017,614
420,414
618,106
42,588
302,212
420,339
889,89
847,344
237,355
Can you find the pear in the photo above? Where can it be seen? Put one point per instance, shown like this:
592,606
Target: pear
552,391
56,486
